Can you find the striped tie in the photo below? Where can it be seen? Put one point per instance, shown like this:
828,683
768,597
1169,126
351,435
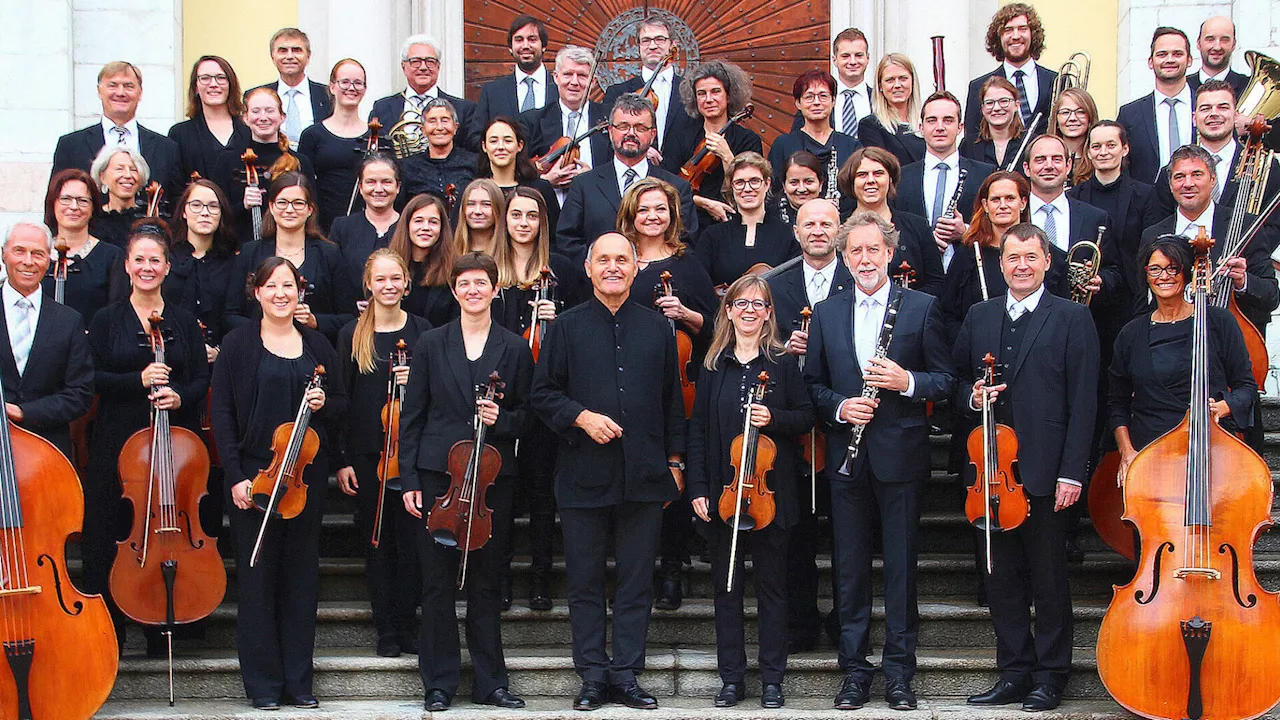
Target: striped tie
22,332
849,115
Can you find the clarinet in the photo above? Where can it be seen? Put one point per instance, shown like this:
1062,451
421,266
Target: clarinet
869,392
954,203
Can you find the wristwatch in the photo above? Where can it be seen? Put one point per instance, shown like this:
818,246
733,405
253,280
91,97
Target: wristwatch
677,464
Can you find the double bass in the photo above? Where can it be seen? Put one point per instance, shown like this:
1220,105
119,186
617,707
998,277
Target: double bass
168,571
747,503
1194,634
389,460
684,348
996,502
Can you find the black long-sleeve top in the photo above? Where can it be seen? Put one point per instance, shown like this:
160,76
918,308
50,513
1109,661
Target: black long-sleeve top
906,144
336,162
89,287
511,308
361,427
357,238
722,247
682,146
433,302
422,173
228,173
198,149
985,151
199,286
718,414
1150,375
236,399
112,226
690,282
330,294
842,145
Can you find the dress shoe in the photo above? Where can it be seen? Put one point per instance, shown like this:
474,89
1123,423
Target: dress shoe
898,693
669,595
388,646
591,696
1044,697
771,696
539,594
504,589
1002,693
730,694
266,704
633,696
408,642
854,693
306,702
437,701
502,698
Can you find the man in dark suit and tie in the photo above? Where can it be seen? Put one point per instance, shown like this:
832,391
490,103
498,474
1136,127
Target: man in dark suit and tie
305,101
420,62
527,89
591,205
1015,37
883,482
1160,121
1215,44
1047,353
569,115
655,42
849,57
120,90
48,371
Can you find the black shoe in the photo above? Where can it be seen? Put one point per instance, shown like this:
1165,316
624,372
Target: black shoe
306,702
539,594
633,696
730,694
669,596
505,590
388,646
854,693
1044,697
408,642
591,696
1002,693
437,701
897,692
771,696
503,699
266,704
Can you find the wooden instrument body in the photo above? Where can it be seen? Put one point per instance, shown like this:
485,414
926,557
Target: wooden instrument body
74,658
684,351
563,153
292,497
813,449
201,581
462,518
389,460
1142,656
1009,504
1106,507
1254,342
758,506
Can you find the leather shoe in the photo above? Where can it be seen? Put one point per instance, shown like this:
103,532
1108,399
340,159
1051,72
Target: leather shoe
437,701
633,696
306,702
1044,697
388,646
504,590
669,595
503,698
771,696
266,704
1002,693
539,595
854,693
730,694
591,696
898,693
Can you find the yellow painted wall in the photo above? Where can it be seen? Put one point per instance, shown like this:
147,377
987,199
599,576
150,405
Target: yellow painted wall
1089,25
237,30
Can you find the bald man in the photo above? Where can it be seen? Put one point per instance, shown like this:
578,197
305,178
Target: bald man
1215,45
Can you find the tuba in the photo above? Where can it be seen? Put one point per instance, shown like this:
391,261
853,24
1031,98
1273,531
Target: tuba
407,137
1262,95
1072,74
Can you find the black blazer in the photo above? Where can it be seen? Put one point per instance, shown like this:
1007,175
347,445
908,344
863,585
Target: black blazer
500,96
1237,81
321,103
1053,385
198,149
973,103
896,440
545,125
78,149
440,401
389,108
57,386
591,207
677,119
911,188
917,248
905,144
975,148
1139,119
790,295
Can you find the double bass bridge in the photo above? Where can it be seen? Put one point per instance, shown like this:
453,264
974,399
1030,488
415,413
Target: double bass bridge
29,590
1183,573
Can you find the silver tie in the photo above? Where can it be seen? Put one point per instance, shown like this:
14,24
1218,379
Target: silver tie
628,178
21,340
940,193
527,103
292,118
1174,134
1050,225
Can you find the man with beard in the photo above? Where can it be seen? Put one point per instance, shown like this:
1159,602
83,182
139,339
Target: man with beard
1160,121
1015,37
420,63
528,88
591,205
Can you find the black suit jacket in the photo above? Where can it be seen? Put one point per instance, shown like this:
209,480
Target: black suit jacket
57,386
1237,81
321,103
917,248
591,207
545,125
790,295
911,188
389,108
78,149
1139,119
896,441
973,103
677,118
1053,385
1166,205
500,96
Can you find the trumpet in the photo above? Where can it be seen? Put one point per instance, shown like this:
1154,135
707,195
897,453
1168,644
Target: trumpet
1072,74
407,136
1084,260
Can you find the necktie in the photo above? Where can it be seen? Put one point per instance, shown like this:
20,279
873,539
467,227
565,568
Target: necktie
1050,225
574,117
865,340
628,177
121,133
817,288
1174,134
1024,103
292,118
849,115
418,101
940,193
527,103
1220,180
1015,311
21,340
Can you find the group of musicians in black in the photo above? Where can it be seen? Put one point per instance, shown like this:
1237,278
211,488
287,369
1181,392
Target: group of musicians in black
897,258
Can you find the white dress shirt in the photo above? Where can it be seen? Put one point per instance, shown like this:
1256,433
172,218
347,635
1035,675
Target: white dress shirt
1030,80
931,163
809,272
1061,218
430,93
539,87
1183,112
662,87
868,318
1190,227
1206,78
130,135
620,168
10,297
861,104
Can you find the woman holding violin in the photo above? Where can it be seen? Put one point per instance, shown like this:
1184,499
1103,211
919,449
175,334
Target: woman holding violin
442,407
370,359
505,159
259,383
215,104
424,239
759,237
1000,130
359,234
482,204
122,174
335,146
745,345
68,206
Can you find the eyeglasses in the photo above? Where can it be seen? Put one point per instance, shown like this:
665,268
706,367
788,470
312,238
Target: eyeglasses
1156,271
655,40
1068,113
346,84
199,206
218,79
628,127
743,304
819,97
69,200
418,62
997,102
298,205
755,183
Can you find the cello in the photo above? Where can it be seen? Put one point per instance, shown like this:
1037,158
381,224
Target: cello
1193,635
747,503
59,644
996,501
389,460
703,161
251,180
167,572
684,348
461,517
538,328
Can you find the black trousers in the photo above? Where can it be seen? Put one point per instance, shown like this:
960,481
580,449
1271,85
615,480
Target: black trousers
768,549
276,618
1030,566
856,504
804,622
392,572
677,531
632,528
439,651
537,462
106,521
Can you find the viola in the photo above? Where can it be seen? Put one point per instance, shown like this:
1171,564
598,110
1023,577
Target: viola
59,644
251,180
996,502
279,489
647,91
757,269
704,162
684,348
461,517
565,151
813,446
168,571
747,503
389,460
537,329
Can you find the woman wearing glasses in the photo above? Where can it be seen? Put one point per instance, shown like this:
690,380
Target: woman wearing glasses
68,206
1073,114
814,93
729,249
334,145
1000,130
214,107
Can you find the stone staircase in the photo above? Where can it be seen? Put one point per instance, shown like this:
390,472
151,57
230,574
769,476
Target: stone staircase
956,653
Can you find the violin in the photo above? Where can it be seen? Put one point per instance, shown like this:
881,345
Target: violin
279,489
206,410
154,193
373,142
251,180
703,161
757,269
905,275
538,328
996,501
389,460
647,92
168,571
747,503
565,150
684,348
813,447
60,271
1193,635
461,517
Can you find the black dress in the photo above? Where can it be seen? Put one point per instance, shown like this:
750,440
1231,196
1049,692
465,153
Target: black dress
228,173
682,146
357,238
906,144
112,226
89,285
329,291
198,149
336,161
722,247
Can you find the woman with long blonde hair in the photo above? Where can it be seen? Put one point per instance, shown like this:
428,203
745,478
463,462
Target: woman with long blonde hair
483,206
894,122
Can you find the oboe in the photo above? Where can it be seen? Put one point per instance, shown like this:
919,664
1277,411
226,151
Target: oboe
870,392
833,192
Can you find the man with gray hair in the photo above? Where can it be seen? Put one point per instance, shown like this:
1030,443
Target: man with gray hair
570,115
420,62
45,364
303,100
